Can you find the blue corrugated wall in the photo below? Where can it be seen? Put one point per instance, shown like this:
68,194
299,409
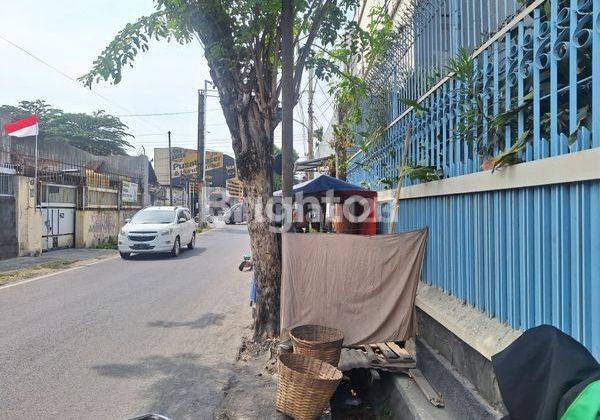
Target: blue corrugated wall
526,256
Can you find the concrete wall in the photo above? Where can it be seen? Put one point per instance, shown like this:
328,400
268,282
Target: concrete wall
93,227
28,219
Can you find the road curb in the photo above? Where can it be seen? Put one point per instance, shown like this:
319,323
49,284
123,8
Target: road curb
92,261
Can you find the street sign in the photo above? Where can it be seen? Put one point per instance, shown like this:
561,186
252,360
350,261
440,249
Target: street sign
129,192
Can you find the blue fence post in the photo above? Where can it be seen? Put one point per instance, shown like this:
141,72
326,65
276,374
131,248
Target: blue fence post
596,75
591,322
554,141
573,82
537,152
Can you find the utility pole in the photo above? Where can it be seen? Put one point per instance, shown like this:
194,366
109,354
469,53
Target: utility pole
311,116
201,146
170,171
287,100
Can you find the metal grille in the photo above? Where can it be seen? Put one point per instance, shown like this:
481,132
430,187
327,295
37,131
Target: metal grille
102,198
6,185
550,50
63,195
141,238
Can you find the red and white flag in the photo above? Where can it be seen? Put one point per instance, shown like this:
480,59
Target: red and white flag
23,128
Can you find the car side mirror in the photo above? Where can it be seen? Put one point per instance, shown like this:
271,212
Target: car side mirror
182,220
127,221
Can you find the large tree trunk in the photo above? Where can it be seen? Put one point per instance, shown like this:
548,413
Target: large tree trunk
253,146
267,259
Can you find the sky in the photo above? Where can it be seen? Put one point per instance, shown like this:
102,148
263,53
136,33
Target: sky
69,35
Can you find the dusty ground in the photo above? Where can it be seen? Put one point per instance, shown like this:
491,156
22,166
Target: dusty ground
250,392
68,254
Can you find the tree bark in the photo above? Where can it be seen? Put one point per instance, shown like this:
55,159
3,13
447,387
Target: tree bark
341,159
267,258
252,140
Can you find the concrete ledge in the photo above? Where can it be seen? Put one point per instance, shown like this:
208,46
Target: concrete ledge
486,335
571,167
462,399
400,394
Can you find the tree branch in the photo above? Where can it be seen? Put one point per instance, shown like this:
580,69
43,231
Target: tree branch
305,50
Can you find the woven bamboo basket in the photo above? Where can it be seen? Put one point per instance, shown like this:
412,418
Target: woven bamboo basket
317,341
305,385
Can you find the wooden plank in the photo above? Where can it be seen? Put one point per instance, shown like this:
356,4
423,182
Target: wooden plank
370,353
397,365
431,394
402,353
386,351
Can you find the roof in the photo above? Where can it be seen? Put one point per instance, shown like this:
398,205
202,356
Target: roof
324,183
172,208
310,165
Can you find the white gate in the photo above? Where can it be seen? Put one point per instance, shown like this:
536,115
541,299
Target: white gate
58,204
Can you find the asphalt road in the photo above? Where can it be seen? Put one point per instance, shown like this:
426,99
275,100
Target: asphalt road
121,338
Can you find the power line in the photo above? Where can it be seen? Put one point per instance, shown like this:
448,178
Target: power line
64,74
160,114
325,94
322,114
154,115
148,134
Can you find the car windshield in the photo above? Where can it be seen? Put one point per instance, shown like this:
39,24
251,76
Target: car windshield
153,216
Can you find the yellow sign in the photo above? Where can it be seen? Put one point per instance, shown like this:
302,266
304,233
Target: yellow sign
235,187
185,161
213,160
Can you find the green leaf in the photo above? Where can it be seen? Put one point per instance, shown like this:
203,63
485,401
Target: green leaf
511,155
582,115
412,103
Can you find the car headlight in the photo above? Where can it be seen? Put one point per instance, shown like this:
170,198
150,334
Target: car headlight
122,232
166,232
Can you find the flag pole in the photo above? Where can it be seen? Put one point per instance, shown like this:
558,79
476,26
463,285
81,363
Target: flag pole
35,189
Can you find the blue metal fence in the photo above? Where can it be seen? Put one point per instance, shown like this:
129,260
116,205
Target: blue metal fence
544,50
526,256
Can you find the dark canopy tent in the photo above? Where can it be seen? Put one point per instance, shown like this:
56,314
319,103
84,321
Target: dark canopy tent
323,183
319,187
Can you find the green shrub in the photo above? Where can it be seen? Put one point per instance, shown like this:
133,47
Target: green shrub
108,243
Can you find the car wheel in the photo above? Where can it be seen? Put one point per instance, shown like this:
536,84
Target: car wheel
176,248
192,242
125,255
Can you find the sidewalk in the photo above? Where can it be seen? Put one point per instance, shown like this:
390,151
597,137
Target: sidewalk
63,255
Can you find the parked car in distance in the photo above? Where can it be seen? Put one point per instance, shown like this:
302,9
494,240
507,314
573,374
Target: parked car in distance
158,229
238,213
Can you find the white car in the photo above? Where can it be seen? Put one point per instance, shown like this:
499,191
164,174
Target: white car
156,230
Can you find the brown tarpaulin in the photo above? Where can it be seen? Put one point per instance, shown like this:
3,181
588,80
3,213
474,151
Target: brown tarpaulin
363,285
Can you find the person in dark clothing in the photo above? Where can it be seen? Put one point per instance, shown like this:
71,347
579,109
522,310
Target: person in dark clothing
546,374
